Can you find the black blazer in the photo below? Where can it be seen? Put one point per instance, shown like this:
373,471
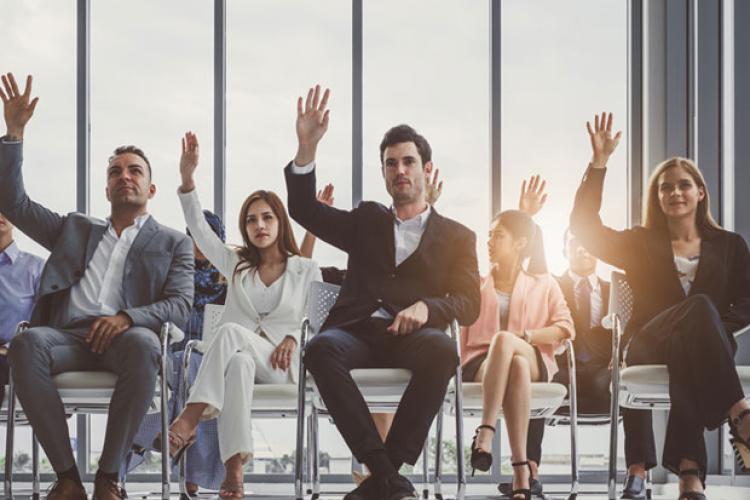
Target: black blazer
442,271
597,340
646,257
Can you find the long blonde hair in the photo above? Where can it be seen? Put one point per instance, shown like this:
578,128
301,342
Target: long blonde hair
653,216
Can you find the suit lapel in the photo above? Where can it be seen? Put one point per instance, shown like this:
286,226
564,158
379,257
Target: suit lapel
148,231
96,233
710,260
429,237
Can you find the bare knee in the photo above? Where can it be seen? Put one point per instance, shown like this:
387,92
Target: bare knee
502,343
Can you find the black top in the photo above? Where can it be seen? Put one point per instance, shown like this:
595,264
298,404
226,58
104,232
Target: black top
442,271
647,258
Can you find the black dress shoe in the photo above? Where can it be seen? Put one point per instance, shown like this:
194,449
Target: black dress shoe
372,488
535,486
397,487
635,488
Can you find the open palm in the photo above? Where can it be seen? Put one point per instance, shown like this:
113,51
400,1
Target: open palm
603,143
312,117
17,107
533,196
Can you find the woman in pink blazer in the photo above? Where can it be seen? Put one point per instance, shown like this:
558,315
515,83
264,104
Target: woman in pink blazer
522,324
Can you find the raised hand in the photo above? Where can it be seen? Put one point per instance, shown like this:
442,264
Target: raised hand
533,196
325,195
312,123
17,108
189,161
433,188
603,144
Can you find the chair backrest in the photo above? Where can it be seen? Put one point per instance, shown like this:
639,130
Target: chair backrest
621,298
211,316
319,303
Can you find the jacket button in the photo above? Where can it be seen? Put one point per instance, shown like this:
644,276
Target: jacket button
393,276
55,287
78,274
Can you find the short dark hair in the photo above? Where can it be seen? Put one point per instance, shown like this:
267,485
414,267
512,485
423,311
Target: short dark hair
121,150
404,133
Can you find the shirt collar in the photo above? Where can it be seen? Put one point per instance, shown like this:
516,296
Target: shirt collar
138,223
11,253
593,279
419,220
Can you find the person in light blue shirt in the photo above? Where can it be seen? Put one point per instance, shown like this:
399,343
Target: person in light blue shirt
19,281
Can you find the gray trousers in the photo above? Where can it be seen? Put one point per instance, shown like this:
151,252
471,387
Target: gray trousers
40,353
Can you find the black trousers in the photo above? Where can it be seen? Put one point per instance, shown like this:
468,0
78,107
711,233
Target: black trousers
592,385
703,382
429,353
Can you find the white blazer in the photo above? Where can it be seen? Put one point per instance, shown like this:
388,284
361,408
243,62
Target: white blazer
283,321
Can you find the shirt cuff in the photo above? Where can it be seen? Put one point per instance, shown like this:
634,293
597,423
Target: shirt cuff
5,140
305,169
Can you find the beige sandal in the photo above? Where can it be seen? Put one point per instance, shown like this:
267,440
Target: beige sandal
178,444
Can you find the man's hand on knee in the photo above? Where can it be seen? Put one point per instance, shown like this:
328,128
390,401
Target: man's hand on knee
410,320
105,329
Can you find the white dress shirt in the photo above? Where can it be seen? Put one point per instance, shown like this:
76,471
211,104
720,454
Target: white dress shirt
406,233
687,267
99,292
596,295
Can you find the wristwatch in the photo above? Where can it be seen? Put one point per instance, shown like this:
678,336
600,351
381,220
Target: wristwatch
527,336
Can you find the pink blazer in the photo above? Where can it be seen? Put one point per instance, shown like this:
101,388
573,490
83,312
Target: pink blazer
536,302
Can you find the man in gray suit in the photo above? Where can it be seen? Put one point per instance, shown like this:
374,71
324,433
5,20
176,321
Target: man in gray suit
105,291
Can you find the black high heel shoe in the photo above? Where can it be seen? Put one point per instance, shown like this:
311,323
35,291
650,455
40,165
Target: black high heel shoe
526,492
741,446
480,459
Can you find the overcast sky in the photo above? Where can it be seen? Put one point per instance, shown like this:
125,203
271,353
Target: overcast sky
425,63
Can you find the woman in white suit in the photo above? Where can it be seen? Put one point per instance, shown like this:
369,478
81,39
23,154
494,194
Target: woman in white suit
258,334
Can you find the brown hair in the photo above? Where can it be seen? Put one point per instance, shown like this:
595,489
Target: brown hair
249,254
653,216
404,133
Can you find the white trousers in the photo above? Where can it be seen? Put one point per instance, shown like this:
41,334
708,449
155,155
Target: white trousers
235,360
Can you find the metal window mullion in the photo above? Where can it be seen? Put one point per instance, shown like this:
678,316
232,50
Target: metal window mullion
220,111
83,108
495,108
635,113
357,98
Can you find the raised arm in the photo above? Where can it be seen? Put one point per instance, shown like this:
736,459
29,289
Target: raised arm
39,223
330,224
614,247
208,242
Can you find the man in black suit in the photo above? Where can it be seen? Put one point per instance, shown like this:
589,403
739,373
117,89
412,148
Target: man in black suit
587,296
410,273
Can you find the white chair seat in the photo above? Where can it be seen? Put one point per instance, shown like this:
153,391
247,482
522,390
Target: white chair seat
377,385
275,397
546,398
648,385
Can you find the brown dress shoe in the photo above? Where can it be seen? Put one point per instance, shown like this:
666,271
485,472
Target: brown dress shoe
107,489
66,489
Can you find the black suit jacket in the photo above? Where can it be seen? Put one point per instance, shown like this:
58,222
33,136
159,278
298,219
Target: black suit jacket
597,341
442,271
646,257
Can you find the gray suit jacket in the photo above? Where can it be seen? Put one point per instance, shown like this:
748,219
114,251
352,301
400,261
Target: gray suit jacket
158,276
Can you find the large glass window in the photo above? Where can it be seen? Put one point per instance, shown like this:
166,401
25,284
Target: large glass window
554,79
276,50
152,80
49,141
